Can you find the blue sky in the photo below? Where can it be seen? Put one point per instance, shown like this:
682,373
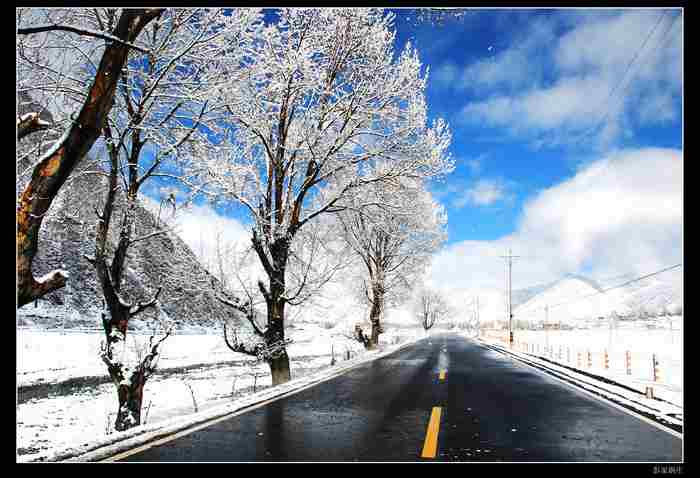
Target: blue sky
508,167
567,135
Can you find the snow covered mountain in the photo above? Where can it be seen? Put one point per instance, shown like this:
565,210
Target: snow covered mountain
577,298
68,233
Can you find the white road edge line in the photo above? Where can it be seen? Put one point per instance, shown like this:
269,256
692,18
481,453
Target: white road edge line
199,426
602,399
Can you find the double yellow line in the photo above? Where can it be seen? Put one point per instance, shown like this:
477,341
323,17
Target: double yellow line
431,435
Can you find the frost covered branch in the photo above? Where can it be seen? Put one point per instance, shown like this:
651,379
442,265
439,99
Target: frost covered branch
79,31
141,306
30,123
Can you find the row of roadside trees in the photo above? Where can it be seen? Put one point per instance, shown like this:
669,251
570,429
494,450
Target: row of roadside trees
305,119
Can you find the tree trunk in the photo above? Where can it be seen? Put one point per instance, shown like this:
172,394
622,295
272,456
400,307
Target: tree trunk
274,338
279,369
375,316
374,337
130,399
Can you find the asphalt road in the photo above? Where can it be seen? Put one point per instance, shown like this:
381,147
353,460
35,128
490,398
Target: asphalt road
492,408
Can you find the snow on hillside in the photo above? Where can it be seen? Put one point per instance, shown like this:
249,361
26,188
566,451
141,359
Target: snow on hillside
165,260
589,305
576,298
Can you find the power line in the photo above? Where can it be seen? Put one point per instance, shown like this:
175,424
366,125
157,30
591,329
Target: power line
629,65
578,298
640,278
669,29
629,83
634,58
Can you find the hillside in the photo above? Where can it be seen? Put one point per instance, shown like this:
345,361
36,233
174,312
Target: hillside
68,234
576,298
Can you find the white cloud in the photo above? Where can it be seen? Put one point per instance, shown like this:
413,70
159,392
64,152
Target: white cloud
509,68
200,227
573,101
483,193
619,215
589,63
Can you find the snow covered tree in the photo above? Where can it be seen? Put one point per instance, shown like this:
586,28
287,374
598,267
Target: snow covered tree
316,256
159,108
55,165
315,103
438,16
430,307
394,229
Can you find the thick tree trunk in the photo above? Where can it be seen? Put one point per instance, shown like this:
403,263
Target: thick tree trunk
279,369
376,330
274,338
375,316
55,167
276,354
130,400
129,383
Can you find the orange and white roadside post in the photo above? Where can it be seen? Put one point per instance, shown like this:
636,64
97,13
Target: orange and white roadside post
606,359
578,358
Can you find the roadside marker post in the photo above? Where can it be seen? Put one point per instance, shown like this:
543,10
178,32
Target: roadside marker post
606,359
590,359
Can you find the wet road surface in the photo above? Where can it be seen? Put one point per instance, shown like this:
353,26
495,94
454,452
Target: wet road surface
492,408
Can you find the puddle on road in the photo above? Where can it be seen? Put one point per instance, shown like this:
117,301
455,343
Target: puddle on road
414,362
443,362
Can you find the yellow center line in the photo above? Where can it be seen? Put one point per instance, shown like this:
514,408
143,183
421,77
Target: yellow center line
442,374
430,445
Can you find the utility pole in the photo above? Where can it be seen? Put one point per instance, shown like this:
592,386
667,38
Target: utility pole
510,258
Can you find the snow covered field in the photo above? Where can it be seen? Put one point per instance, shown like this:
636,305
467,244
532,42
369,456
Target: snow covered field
65,397
196,373
571,347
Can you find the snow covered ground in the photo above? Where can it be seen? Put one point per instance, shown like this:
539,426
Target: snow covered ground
642,342
666,407
570,349
65,398
197,373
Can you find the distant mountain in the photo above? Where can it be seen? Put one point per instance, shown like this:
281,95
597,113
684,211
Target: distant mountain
68,233
576,297
520,296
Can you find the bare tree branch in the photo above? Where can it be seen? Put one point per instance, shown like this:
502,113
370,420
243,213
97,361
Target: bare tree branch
79,31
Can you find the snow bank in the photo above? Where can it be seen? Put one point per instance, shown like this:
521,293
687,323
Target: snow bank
659,408
105,446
